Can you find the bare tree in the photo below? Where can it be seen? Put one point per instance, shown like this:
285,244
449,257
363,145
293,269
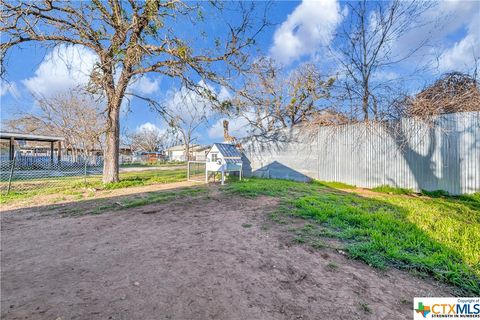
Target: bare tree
148,138
367,47
74,115
132,38
185,111
271,99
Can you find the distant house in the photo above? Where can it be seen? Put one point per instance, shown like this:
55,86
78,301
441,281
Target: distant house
197,152
148,156
200,153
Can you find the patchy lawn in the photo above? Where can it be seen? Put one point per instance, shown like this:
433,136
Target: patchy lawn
191,253
77,186
434,237
153,164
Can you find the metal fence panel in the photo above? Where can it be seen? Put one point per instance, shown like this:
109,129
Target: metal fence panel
444,156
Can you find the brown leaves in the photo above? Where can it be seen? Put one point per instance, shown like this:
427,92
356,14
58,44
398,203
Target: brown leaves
453,92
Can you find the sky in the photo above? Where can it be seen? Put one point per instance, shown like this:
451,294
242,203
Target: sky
301,32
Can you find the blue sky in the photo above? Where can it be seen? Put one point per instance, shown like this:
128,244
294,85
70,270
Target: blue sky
301,33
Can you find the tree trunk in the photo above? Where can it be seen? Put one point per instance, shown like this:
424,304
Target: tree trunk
187,151
110,164
365,102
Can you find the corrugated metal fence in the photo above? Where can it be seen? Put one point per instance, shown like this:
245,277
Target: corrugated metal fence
444,155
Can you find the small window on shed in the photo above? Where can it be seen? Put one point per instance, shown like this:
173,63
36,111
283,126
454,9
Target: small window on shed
214,157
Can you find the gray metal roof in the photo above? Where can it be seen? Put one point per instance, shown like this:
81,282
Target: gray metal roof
228,150
233,161
29,137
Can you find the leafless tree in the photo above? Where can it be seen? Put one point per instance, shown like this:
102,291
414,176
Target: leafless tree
366,48
271,99
148,139
185,111
73,115
133,38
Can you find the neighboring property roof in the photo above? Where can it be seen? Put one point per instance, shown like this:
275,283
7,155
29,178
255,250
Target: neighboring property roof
181,147
228,150
149,152
29,137
201,148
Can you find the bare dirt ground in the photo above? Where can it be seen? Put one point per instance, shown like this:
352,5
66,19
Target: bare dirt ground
214,257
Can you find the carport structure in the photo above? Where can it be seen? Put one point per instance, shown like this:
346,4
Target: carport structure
11,136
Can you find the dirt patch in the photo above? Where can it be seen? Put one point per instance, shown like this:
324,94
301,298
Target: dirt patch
218,257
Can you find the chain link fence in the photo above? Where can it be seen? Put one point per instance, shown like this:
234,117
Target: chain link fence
25,173
143,160
196,171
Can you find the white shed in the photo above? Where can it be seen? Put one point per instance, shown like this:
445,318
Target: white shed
223,158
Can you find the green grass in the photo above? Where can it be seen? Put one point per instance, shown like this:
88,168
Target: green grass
153,164
336,185
365,307
332,266
75,185
163,196
435,193
134,179
392,190
438,238
100,206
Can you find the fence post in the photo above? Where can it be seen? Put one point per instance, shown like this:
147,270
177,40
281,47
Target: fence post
85,172
11,175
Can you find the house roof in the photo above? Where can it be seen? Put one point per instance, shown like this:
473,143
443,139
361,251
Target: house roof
194,147
228,150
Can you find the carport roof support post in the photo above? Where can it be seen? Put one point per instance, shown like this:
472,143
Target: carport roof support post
11,149
59,155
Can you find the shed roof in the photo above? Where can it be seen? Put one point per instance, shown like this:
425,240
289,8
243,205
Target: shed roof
29,137
228,150
236,161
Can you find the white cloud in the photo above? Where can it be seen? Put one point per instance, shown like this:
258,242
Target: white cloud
9,88
238,128
310,26
64,68
441,26
224,94
187,105
148,126
190,105
68,67
461,56
191,111
145,85
385,75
